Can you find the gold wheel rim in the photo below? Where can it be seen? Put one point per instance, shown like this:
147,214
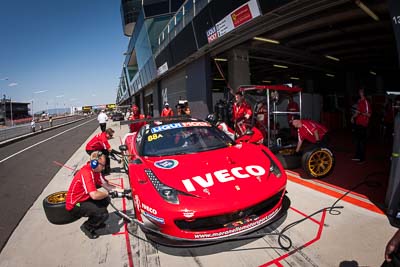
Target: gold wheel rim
58,197
320,163
287,151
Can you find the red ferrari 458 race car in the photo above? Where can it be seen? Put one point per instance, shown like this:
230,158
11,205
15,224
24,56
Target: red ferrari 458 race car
191,183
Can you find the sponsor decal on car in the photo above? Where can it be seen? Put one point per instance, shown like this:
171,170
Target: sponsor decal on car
223,176
166,164
149,209
239,226
166,127
137,202
154,218
179,125
188,213
195,123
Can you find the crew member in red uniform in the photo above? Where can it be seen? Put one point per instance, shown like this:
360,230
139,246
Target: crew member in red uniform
262,118
361,119
134,127
309,130
167,111
85,200
254,136
292,107
213,120
241,114
100,143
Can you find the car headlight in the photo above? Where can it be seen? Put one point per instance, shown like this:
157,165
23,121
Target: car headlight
167,193
273,166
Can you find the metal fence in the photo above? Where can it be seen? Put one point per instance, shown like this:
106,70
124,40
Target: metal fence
19,130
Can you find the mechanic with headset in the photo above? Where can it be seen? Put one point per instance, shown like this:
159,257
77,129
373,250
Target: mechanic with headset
100,143
85,200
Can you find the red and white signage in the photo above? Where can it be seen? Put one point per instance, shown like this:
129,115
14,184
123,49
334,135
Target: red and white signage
236,18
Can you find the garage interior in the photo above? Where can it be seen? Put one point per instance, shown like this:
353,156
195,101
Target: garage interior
330,48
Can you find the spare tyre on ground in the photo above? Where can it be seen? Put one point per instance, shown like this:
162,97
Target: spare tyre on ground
54,208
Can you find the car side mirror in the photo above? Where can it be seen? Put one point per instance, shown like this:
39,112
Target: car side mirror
123,148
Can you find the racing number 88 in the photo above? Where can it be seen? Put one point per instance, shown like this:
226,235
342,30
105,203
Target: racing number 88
153,137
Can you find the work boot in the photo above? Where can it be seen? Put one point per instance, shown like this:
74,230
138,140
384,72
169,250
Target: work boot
89,232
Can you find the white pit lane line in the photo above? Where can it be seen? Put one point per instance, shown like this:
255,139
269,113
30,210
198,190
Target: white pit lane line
45,140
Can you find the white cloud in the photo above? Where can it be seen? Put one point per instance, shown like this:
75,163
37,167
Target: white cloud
12,84
59,96
42,91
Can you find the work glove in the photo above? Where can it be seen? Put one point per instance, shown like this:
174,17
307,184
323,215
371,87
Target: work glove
115,194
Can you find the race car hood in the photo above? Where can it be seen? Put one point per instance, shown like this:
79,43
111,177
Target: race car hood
234,171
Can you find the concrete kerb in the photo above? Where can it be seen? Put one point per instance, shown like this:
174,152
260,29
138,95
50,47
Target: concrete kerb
18,138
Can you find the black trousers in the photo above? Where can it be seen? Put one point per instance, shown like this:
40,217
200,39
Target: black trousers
360,133
103,127
95,210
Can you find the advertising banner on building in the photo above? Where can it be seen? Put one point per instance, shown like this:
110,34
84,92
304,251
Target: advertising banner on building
394,10
236,18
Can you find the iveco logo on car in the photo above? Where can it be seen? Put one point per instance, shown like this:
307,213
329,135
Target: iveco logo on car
149,209
223,176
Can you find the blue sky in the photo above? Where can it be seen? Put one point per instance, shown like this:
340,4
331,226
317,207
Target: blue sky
64,52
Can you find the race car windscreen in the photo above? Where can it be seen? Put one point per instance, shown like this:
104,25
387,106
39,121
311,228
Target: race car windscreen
180,140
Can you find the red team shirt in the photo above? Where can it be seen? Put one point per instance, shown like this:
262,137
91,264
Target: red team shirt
98,142
363,107
167,112
84,182
134,127
239,111
306,132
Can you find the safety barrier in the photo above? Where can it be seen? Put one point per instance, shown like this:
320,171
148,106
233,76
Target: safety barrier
19,130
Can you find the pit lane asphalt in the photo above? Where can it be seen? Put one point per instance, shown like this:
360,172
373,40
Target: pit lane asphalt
24,176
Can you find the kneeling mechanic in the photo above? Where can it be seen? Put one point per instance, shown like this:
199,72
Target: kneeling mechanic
85,199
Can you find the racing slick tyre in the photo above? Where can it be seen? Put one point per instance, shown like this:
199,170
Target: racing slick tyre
318,162
288,158
54,208
289,162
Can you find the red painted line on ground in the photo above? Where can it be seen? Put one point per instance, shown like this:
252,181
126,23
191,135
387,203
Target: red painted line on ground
62,165
119,233
127,240
111,183
305,215
349,199
316,238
